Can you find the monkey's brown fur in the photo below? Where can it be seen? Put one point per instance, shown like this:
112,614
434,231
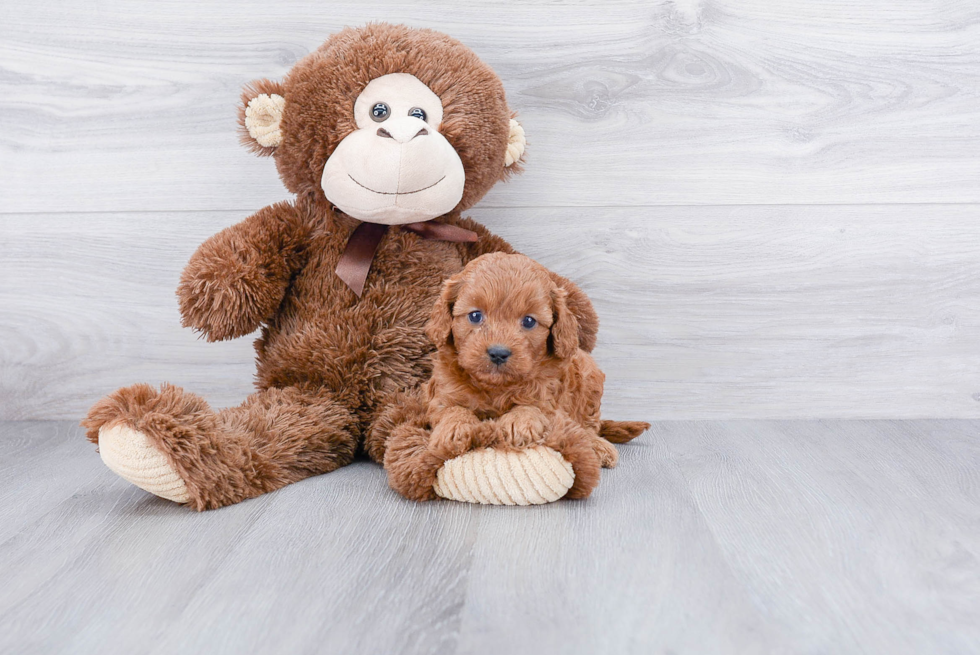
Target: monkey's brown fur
548,391
328,362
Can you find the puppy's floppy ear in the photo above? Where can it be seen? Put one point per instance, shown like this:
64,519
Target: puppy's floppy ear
564,329
260,116
581,307
439,329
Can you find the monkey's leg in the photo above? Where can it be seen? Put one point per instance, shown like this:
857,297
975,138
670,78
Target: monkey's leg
566,465
172,444
575,443
399,440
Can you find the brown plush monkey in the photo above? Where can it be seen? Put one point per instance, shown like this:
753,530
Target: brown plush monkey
378,132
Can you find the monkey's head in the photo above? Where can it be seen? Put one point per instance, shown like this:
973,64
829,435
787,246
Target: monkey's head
388,123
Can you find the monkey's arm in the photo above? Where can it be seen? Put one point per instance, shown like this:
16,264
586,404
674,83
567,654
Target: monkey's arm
238,277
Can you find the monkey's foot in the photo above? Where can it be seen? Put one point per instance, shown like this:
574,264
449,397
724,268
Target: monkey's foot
131,456
488,476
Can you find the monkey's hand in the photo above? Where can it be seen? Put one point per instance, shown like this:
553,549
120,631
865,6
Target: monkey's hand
238,277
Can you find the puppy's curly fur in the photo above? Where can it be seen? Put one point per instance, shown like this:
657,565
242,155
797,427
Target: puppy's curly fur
509,373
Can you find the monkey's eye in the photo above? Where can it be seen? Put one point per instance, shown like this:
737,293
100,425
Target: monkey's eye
380,112
528,322
475,317
417,112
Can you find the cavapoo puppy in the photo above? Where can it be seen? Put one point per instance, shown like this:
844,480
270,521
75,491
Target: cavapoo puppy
508,372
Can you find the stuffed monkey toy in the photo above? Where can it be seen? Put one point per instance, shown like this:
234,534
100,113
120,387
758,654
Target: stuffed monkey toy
385,134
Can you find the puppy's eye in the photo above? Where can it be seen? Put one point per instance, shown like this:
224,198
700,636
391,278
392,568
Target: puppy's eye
417,112
528,322
475,317
379,112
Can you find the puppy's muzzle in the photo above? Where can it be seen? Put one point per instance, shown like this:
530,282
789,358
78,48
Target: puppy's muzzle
498,354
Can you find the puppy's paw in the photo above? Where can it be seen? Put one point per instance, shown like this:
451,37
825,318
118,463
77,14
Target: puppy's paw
607,453
522,427
450,439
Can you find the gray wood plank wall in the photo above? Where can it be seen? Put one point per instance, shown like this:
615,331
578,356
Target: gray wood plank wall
775,206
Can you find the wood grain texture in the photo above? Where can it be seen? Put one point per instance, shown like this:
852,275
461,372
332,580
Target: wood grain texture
710,537
119,156
113,108
706,312
787,502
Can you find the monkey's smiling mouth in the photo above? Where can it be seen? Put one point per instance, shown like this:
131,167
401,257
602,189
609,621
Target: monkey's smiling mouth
395,193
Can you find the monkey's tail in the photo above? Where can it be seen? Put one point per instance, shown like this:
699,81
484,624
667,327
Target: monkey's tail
622,431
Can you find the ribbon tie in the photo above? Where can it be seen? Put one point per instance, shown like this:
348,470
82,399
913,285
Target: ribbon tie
363,243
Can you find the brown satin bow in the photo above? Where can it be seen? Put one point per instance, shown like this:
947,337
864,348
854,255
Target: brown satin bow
363,243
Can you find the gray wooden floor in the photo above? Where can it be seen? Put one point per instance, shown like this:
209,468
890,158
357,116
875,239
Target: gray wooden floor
711,537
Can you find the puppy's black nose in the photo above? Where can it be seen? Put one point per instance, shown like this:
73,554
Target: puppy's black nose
498,354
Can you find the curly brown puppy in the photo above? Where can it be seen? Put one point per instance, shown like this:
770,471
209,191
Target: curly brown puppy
509,373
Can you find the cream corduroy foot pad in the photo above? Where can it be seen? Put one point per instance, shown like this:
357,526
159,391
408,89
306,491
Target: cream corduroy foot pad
131,456
529,477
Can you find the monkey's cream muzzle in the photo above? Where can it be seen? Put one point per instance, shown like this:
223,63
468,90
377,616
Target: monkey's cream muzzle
395,168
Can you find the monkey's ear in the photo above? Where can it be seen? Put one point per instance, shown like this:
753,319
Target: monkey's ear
515,144
564,329
260,116
439,329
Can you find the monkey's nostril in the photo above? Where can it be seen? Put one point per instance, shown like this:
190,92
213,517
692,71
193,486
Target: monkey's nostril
382,132
422,132
498,354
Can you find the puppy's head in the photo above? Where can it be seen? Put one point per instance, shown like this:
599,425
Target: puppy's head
503,316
